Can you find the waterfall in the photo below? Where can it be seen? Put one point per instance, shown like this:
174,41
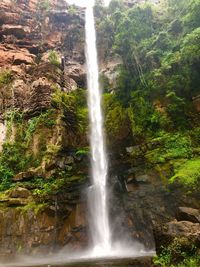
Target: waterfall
102,245
97,193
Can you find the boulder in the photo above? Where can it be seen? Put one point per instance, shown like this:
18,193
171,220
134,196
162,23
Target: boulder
166,234
188,214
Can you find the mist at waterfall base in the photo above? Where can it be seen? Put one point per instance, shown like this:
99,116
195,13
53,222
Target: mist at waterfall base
102,246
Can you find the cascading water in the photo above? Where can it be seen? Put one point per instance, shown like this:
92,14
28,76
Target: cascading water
97,193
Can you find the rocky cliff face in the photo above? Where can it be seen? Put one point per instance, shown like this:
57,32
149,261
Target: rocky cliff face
34,35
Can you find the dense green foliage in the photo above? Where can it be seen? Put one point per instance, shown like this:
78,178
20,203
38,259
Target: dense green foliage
160,75
68,110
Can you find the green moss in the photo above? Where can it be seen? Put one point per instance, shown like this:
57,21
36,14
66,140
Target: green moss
36,207
187,173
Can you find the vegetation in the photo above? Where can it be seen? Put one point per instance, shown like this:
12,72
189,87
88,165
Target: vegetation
176,255
187,173
54,58
152,102
5,78
43,5
74,108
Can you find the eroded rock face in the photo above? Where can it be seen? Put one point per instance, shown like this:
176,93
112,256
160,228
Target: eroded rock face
35,232
19,192
42,228
40,96
12,55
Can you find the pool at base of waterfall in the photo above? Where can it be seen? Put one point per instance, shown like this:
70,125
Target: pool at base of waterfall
137,262
145,261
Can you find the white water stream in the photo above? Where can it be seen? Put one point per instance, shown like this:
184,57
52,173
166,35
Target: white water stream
97,193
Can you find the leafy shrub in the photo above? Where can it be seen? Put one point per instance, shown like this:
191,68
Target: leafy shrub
178,254
54,58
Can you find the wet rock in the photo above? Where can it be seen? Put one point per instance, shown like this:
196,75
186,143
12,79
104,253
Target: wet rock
19,192
15,202
188,214
23,176
42,230
111,71
77,72
142,178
